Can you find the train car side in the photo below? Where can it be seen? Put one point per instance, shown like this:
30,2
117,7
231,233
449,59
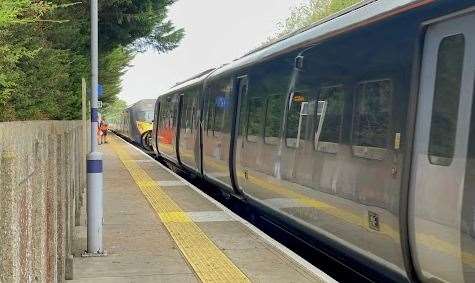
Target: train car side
317,132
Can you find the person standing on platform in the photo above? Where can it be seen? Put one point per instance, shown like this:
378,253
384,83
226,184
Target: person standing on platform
103,129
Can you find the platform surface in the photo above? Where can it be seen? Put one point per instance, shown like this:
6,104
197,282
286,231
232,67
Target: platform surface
159,228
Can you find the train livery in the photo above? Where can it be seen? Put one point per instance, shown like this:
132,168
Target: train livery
356,134
136,122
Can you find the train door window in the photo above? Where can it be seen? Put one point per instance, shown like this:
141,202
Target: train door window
273,119
446,100
209,117
192,116
254,119
296,121
329,118
186,113
372,118
218,115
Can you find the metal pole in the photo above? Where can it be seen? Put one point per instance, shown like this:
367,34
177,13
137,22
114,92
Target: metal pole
84,127
94,159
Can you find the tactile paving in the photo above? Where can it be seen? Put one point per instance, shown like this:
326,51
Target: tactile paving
206,259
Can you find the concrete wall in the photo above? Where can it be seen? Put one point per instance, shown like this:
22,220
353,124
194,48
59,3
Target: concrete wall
42,184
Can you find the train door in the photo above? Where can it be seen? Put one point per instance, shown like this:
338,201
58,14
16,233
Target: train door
167,126
188,129
440,152
179,125
237,145
155,126
216,137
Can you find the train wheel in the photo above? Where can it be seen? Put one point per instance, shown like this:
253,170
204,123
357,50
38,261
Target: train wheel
147,140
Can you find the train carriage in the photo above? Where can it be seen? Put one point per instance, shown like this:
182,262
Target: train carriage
136,122
356,134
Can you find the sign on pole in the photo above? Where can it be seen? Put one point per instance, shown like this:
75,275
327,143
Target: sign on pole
100,90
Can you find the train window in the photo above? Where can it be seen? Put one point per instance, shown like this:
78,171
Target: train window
254,119
372,118
329,118
274,111
210,117
192,117
446,100
296,121
218,117
186,115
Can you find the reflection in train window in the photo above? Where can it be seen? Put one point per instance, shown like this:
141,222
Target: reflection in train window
372,114
145,116
446,100
188,114
296,122
254,118
192,117
220,112
184,123
329,118
218,116
274,109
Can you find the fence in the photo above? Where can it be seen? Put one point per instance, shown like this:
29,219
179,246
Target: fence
42,181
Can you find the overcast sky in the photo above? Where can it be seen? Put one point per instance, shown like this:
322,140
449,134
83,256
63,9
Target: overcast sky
217,31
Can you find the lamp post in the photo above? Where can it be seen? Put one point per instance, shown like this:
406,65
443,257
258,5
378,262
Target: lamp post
94,158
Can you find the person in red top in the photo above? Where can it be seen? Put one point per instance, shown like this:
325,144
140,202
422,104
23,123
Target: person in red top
103,128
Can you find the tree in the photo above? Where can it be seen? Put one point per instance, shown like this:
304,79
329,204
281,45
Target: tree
44,51
113,111
309,13
17,46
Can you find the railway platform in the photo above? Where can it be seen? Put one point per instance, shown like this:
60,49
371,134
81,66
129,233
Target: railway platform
160,228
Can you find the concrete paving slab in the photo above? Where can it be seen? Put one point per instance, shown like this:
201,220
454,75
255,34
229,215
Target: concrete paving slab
263,265
209,216
174,183
236,237
189,200
164,278
127,264
157,173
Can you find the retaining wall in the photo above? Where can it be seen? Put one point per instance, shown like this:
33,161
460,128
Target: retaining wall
42,181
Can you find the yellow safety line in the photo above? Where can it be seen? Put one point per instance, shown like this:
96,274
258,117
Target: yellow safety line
206,259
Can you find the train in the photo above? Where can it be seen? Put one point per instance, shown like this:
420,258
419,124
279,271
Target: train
355,134
136,123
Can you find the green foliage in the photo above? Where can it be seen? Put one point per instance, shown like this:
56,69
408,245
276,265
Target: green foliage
309,13
112,66
113,111
44,51
137,23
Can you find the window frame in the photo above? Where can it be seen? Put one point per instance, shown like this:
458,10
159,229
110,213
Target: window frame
291,96
371,152
441,160
259,133
315,142
267,101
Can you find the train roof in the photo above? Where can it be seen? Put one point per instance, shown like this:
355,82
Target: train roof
144,103
190,81
365,12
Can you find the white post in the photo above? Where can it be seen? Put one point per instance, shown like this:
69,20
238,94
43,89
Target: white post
94,159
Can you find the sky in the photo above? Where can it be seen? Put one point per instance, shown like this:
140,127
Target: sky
216,32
